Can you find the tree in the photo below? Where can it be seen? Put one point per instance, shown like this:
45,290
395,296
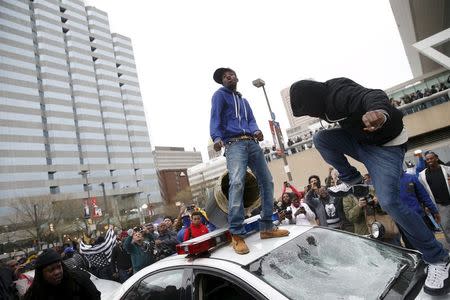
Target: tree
34,216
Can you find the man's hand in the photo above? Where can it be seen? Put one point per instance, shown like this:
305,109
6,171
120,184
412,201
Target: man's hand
158,242
362,202
373,120
218,145
437,217
259,135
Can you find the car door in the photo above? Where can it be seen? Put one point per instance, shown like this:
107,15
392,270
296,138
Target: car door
217,284
163,284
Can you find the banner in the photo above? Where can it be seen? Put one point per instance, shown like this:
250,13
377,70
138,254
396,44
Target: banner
275,129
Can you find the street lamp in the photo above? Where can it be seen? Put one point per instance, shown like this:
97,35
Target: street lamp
84,174
102,184
141,209
260,83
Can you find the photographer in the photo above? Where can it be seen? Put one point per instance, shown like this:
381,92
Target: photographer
166,242
313,201
141,252
291,210
364,211
354,210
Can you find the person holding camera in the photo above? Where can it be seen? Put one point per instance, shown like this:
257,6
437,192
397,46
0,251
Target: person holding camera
354,210
141,253
313,201
366,210
166,242
292,210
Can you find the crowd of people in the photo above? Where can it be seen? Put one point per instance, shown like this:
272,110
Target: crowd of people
419,94
115,256
427,195
120,253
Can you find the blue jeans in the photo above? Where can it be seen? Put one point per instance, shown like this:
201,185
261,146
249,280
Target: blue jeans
241,154
385,168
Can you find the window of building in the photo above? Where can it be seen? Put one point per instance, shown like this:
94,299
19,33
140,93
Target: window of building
54,190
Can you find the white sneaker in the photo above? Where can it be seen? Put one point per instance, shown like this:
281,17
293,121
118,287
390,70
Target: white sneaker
340,190
437,282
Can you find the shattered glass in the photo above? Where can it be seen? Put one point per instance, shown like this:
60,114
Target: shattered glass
325,264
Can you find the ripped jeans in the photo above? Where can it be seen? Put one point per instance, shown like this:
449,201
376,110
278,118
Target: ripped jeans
239,155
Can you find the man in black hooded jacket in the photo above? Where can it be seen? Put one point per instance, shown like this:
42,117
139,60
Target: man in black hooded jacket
371,131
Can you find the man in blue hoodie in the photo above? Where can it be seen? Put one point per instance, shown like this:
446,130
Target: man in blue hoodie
234,127
414,194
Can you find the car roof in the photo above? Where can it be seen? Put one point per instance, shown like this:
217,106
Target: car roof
258,247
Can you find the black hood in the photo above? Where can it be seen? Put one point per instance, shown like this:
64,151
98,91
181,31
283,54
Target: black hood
308,98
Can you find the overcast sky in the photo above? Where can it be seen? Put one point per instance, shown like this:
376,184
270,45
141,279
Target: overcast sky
178,44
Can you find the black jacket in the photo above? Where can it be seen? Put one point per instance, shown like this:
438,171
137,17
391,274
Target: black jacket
343,100
76,285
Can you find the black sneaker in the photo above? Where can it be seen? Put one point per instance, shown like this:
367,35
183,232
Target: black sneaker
340,190
437,282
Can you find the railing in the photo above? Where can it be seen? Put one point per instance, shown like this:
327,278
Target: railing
409,108
425,102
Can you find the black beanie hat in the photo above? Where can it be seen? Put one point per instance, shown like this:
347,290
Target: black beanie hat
47,257
308,98
218,74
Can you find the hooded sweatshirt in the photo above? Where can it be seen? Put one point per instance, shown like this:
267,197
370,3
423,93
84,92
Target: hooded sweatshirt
343,100
231,116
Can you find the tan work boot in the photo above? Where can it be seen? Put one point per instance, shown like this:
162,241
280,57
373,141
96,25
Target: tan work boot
239,245
273,233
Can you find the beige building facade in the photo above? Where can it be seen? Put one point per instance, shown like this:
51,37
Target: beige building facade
71,114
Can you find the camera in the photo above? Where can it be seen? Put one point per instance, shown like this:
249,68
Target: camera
288,212
148,246
302,210
369,199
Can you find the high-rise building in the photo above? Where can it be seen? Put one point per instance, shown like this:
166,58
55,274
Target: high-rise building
71,113
173,158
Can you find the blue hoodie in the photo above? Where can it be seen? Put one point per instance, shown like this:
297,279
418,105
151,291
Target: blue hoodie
231,116
413,193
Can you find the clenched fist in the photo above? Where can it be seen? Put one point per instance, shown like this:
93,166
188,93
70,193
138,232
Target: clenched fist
373,120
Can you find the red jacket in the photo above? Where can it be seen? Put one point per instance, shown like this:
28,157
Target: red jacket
195,231
299,194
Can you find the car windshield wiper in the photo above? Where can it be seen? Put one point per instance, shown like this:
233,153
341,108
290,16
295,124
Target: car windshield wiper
392,281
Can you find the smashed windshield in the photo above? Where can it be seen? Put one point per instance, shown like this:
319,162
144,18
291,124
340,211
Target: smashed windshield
325,264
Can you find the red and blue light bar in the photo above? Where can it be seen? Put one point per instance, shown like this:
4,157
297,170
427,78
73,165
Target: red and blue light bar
214,239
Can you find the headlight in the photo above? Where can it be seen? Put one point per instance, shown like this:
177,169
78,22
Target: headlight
377,230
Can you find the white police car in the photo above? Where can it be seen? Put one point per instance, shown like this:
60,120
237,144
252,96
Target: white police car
311,263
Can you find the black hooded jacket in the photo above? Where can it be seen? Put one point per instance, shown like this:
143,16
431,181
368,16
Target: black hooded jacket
343,100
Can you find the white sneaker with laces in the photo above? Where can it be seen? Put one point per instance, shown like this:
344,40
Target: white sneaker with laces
437,282
340,190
